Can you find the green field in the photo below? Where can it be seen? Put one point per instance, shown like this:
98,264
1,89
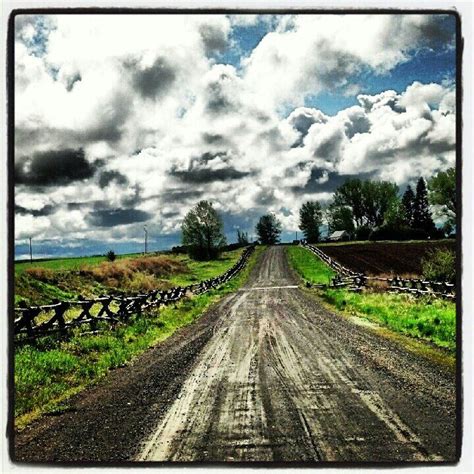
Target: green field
72,263
48,373
425,318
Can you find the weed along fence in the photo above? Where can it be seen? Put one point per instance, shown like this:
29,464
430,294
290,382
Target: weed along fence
357,281
61,316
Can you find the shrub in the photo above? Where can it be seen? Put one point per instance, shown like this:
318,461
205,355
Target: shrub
125,269
439,265
111,256
41,274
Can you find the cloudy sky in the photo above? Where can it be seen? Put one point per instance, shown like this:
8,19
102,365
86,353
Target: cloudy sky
127,120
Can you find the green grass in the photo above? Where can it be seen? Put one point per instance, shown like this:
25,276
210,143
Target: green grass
433,320
47,374
311,269
59,264
199,271
426,318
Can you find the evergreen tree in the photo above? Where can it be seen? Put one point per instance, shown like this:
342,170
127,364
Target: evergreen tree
311,217
421,213
408,202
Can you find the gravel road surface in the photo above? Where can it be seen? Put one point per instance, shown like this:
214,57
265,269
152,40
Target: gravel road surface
268,374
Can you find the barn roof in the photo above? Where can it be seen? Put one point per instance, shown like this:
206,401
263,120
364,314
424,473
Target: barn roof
338,233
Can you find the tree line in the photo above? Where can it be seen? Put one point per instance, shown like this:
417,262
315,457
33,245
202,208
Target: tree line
365,209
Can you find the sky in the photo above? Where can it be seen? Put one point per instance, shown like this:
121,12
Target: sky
123,121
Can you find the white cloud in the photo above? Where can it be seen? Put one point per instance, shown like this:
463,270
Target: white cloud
162,125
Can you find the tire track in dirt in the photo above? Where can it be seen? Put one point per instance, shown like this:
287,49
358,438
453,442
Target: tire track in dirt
283,379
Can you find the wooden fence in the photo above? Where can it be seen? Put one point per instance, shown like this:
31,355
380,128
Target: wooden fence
61,316
354,281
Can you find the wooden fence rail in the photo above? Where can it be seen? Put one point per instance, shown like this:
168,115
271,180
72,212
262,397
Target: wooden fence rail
354,281
60,316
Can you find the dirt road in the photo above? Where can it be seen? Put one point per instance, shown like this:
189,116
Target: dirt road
269,376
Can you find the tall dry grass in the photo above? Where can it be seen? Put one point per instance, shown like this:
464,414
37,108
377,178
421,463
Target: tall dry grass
137,274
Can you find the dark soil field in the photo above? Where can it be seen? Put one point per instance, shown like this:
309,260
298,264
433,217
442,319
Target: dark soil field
377,258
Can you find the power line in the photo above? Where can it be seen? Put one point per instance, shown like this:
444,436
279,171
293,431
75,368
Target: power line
146,238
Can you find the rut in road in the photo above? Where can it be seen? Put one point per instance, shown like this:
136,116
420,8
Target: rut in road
283,379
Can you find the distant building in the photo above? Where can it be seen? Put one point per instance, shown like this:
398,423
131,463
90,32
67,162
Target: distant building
339,235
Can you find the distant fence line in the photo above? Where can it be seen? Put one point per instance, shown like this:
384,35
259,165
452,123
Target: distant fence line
110,308
354,281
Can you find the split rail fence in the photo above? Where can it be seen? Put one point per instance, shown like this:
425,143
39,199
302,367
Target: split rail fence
354,281
32,322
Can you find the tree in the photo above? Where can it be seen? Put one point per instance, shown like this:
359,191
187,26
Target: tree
349,195
111,256
202,231
242,237
339,218
442,192
421,213
395,216
408,201
268,229
367,201
377,196
311,217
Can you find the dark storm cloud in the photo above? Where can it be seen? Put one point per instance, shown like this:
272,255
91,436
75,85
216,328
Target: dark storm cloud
213,37
113,217
329,185
44,211
106,177
152,82
208,175
201,169
54,168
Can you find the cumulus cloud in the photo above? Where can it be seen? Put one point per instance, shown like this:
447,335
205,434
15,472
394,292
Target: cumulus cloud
322,52
129,119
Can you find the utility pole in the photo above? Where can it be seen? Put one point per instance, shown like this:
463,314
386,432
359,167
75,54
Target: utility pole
296,235
31,252
146,238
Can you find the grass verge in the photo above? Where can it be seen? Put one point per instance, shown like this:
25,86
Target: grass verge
312,269
424,318
49,372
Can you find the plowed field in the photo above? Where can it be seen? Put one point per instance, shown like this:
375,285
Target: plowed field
385,257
